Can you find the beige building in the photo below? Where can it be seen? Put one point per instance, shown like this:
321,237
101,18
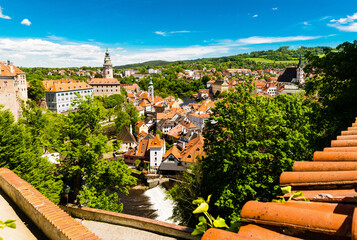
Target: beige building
105,86
13,88
220,85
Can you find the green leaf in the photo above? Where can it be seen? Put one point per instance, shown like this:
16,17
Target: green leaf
198,201
11,225
234,227
9,221
202,219
208,198
203,207
286,189
196,232
297,194
220,223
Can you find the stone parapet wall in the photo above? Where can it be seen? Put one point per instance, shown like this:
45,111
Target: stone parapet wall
53,221
167,229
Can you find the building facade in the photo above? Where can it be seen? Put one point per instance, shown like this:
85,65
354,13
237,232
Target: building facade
13,88
61,94
106,85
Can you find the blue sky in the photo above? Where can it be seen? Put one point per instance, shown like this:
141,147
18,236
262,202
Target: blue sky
76,33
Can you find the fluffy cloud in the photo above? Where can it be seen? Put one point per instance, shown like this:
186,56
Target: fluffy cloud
255,15
2,15
50,53
348,24
26,22
45,53
274,9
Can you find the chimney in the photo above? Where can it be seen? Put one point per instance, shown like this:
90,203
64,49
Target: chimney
131,129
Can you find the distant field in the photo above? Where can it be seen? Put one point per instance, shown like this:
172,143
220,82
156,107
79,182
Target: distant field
260,60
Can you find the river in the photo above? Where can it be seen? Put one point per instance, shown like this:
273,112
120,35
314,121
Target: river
150,203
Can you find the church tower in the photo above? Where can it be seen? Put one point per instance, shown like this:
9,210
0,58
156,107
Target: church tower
107,66
151,90
300,73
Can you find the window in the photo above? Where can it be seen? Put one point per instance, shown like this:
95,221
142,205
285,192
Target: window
155,159
155,154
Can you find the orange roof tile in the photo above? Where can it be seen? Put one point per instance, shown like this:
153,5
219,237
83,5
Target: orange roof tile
193,149
174,151
65,85
157,142
9,70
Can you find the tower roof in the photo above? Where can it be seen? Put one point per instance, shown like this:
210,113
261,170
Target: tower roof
300,62
150,83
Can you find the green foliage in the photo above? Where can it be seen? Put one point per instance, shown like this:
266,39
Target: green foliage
171,85
115,100
203,225
21,151
36,90
334,87
250,140
7,223
93,181
286,190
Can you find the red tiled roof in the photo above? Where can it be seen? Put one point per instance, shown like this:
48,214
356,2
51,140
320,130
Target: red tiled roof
65,85
6,70
193,149
157,142
328,182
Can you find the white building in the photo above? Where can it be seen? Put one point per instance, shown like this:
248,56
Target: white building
157,151
60,94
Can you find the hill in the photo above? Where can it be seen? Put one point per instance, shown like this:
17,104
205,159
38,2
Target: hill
280,57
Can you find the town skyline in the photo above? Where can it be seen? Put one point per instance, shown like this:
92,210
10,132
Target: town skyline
44,34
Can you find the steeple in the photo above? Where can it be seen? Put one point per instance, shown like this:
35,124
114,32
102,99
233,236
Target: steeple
300,62
300,72
151,90
107,66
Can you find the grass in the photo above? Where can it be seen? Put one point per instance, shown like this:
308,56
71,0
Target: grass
264,60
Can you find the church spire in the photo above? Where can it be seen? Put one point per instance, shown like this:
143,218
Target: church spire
300,62
107,66
151,90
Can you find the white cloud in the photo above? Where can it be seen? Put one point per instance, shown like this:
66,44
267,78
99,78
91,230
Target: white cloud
274,9
165,34
26,22
45,53
262,40
30,52
306,23
184,31
2,15
255,15
161,33
348,24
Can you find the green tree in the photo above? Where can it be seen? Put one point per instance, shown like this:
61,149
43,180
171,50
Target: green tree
21,154
93,181
36,90
334,86
250,140
123,119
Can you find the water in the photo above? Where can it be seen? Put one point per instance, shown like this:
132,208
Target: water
149,203
163,207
